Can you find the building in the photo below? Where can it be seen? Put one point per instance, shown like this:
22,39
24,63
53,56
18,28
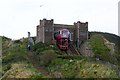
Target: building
46,28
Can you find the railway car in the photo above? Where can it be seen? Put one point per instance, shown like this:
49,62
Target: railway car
62,38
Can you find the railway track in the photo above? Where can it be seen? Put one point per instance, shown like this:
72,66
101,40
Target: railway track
73,50
71,53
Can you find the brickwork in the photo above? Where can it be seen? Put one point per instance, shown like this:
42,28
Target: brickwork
46,28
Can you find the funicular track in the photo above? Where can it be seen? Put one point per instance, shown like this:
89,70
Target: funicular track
71,53
73,50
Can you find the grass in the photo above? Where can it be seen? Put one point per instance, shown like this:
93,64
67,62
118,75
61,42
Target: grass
97,70
15,63
101,50
112,38
76,68
63,66
97,44
21,70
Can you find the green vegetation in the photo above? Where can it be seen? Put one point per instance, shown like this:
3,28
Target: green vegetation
45,57
112,38
97,70
44,53
60,66
100,50
15,63
76,68
39,47
97,44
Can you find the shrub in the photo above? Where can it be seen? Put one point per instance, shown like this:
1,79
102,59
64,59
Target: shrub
39,47
68,68
46,57
36,76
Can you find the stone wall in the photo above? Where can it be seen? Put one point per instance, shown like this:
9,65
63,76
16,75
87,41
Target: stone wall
46,28
49,30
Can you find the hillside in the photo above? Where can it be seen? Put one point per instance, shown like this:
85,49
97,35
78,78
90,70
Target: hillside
46,61
15,63
111,39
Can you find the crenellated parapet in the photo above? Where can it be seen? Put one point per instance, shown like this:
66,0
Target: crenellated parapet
46,28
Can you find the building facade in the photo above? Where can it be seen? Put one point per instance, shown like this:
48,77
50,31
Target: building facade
46,29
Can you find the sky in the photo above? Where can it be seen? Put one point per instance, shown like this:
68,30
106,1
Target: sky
17,17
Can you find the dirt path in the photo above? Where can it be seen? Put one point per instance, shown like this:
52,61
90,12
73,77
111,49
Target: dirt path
39,68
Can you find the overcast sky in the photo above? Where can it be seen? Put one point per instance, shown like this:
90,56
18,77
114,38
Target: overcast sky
17,17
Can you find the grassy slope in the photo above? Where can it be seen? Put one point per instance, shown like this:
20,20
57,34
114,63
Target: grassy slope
71,68
15,62
112,38
15,56
75,68
97,44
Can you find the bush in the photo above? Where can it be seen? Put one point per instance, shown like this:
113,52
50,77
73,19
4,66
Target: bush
6,68
39,47
37,76
67,68
12,54
83,68
46,57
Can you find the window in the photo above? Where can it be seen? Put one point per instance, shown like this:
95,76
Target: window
56,33
65,33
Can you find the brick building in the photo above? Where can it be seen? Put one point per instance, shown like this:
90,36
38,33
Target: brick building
46,28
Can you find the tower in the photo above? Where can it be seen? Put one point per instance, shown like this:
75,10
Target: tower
46,28
45,31
81,32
